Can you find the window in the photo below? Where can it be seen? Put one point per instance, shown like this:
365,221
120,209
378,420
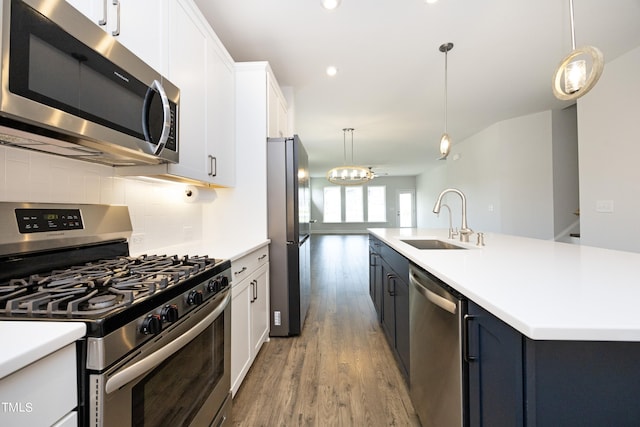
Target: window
353,206
332,206
376,203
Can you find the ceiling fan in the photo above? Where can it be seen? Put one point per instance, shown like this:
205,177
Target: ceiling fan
377,174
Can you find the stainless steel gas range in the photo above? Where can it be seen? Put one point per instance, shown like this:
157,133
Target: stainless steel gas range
157,351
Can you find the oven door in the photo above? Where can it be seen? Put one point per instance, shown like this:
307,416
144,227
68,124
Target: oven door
182,378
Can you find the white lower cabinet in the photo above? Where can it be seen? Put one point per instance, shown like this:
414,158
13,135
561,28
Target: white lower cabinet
43,393
249,313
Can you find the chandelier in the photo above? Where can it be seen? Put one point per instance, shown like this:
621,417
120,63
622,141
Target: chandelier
349,174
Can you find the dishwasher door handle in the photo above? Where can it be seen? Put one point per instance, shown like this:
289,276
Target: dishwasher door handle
436,299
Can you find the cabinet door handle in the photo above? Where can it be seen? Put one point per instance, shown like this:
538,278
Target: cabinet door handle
465,339
213,165
372,259
391,278
242,270
116,32
103,21
263,256
254,291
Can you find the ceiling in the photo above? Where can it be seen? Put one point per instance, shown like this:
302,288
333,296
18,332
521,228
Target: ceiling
390,83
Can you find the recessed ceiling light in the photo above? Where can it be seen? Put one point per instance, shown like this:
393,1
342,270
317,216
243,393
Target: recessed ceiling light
330,4
332,71
430,1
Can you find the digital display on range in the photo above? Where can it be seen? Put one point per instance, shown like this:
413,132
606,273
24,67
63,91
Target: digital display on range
41,220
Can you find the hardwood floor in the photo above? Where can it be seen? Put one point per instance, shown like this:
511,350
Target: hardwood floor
340,370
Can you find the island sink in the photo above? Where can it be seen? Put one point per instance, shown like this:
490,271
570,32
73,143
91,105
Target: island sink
431,244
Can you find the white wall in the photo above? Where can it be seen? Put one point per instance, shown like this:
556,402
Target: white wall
162,221
609,153
566,188
505,172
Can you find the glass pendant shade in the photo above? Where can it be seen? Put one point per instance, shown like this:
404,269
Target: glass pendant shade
445,145
575,76
579,71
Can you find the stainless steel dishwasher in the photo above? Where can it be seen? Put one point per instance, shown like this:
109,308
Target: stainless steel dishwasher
437,372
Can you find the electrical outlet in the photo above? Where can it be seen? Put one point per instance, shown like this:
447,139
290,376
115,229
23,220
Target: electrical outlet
604,206
137,239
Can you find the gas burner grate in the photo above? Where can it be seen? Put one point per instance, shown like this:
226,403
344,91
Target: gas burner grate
99,286
67,302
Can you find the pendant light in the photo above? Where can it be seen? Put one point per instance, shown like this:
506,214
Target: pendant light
572,70
349,174
445,140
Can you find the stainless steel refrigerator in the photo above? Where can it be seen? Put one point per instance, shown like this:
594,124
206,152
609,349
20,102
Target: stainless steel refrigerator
289,205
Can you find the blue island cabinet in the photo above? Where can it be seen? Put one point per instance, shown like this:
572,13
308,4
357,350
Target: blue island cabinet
389,291
516,381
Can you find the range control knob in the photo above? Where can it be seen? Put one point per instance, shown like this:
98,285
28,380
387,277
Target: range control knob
224,282
213,286
151,325
195,297
169,313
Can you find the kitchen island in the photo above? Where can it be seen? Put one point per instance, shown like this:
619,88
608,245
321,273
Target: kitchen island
550,336
546,290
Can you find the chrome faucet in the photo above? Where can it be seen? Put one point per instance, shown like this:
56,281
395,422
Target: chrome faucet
465,231
452,233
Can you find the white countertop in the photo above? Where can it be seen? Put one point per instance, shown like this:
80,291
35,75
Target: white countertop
215,249
245,251
544,289
25,342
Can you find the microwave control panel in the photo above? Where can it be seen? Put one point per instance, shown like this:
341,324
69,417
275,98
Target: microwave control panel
46,220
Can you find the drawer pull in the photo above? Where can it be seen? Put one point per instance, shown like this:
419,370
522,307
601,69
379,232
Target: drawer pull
263,256
241,271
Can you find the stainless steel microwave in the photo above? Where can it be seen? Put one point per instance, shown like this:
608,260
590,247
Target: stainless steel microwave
69,88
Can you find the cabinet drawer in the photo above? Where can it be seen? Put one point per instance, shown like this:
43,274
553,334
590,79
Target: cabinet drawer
398,263
245,265
41,393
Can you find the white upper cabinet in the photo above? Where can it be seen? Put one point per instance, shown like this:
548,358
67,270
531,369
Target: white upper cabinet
87,7
188,71
203,70
177,41
220,90
138,24
277,112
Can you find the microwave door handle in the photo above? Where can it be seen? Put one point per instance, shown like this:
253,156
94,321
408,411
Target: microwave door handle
166,114
154,359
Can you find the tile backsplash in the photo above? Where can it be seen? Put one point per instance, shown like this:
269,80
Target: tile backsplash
162,221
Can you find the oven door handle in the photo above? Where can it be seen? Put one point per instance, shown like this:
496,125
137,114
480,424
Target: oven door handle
154,359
